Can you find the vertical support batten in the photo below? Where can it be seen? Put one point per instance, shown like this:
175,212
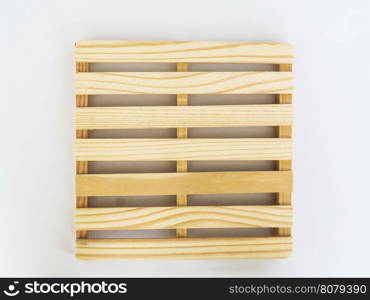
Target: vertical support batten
82,166
284,198
182,165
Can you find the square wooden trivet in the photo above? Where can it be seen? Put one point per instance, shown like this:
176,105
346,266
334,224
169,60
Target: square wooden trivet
183,149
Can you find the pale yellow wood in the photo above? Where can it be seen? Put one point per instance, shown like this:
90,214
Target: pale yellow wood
183,116
181,165
82,166
183,149
284,198
183,83
119,218
183,183
188,52
186,248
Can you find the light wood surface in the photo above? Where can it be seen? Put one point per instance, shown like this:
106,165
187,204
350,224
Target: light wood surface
183,149
101,83
182,217
284,198
183,183
182,133
186,248
82,166
188,52
183,83
183,116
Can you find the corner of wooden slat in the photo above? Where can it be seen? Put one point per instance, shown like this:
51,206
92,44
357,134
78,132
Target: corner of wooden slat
79,43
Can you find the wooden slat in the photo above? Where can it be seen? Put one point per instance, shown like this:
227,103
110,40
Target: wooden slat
284,198
183,83
82,166
181,165
118,218
131,117
186,248
183,149
183,183
188,52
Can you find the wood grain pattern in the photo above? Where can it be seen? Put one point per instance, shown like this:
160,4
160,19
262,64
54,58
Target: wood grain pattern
101,83
183,149
187,52
82,166
119,218
182,133
183,183
132,117
189,248
284,198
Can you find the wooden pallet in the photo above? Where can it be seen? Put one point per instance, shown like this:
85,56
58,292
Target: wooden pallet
182,149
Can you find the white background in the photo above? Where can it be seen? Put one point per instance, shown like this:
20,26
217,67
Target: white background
332,104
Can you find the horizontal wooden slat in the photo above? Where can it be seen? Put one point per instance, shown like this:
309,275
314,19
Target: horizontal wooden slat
184,248
183,83
183,183
183,149
188,52
183,116
116,218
